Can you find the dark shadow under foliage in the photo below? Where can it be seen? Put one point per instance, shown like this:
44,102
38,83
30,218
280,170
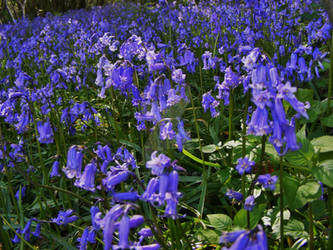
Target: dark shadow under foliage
14,9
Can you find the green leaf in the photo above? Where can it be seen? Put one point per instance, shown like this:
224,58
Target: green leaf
240,218
220,221
308,192
276,224
303,156
208,235
295,229
131,144
323,143
302,133
290,186
60,240
319,209
208,149
324,172
269,149
328,121
304,95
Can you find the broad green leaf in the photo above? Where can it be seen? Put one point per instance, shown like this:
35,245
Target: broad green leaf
208,235
324,172
328,121
276,224
323,144
302,133
319,209
208,149
220,221
232,144
290,186
303,156
295,229
269,149
308,192
240,218
304,95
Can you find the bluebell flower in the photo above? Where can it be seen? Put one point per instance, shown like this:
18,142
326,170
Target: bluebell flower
87,179
65,217
228,237
145,232
249,203
93,212
181,136
189,60
37,231
293,62
129,158
246,239
177,76
157,164
234,195
286,92
83,239
267,181
113,179
154,61
91,236
208,61
164,182
244,165
126,196
208,102
74,163
17,239
17,194
166,131
171,206
290,135
124,229
173,98
45,132
108,225
259,124
55,169
134,221
231,79
26,230
250,61
150,193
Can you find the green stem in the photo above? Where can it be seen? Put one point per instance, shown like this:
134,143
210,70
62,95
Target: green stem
329,92
196,159
247,101
231,111
184,236
281,205
156,230
310,227
64,191
308,170
204,170
330,211
262,155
